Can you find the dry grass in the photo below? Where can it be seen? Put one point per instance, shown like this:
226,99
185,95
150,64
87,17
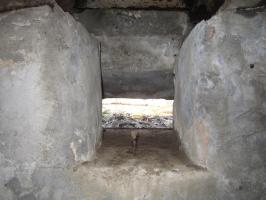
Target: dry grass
138,108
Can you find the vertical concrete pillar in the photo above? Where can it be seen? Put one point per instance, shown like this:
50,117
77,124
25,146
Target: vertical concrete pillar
50,102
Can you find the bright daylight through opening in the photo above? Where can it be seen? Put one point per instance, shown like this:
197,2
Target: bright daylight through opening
137,113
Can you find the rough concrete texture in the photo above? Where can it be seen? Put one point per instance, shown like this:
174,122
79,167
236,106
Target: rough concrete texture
220,101
7,5
138,50
158,171
130,3
50,103
236,4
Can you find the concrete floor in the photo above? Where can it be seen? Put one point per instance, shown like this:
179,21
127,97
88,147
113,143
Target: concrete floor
158,171
157,150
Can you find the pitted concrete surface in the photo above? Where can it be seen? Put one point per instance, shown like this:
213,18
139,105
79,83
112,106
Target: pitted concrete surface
50,103
220,99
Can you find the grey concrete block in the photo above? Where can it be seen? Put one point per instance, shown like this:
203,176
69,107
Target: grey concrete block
50,99
220,100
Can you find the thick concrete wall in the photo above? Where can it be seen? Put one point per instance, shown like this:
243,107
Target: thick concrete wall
50,103
220,100
138,50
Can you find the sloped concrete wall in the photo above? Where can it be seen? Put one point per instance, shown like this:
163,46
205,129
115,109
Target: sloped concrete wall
50,103
138,50
220,100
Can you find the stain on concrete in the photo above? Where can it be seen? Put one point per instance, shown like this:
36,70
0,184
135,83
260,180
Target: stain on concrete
14,186
251,11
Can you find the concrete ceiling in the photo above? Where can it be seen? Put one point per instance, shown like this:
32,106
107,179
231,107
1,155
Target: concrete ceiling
130,3
68,5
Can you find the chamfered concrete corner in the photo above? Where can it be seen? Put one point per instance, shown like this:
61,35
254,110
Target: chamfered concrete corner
50,102
220,101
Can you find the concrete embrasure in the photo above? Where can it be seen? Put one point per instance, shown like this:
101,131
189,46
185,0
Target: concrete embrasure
50,112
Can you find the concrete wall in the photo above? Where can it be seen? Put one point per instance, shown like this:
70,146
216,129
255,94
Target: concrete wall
220,100
50,103
7,5
138,50
239,4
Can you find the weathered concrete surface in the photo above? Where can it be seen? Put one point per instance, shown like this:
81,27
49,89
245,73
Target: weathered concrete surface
50,103
220,101
7,5
236,4
158,171
138,50
130,3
